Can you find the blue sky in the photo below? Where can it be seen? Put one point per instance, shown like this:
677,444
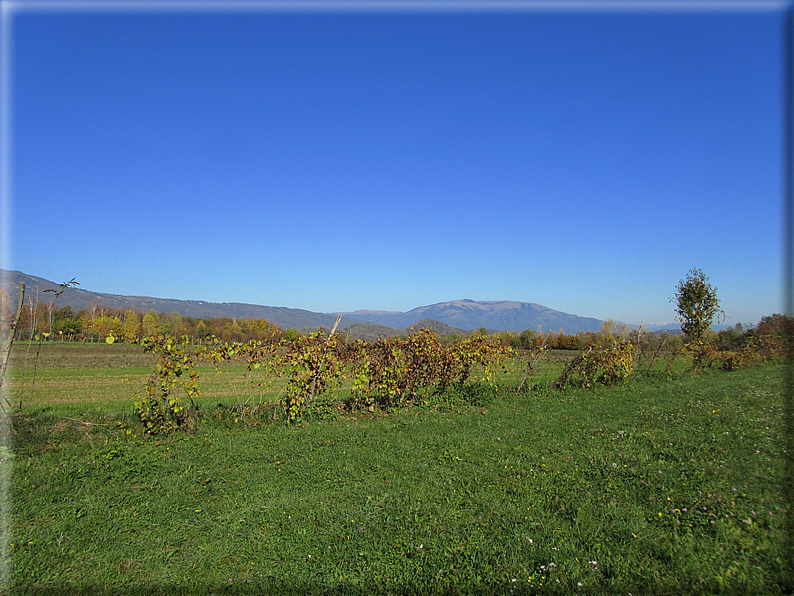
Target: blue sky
350,159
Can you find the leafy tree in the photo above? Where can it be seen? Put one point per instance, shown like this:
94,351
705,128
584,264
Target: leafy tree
116,327
67,327
775,325
607,332
177,326
732,338
568,342
774,337
524,340
132,326
150,324
102,325
697,304
67,312
290,334
262,329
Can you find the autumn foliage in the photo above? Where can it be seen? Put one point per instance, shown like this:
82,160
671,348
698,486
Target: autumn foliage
384,374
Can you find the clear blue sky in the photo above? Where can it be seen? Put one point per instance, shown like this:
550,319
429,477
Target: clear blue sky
340,160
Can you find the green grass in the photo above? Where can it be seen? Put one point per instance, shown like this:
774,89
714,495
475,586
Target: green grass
662,486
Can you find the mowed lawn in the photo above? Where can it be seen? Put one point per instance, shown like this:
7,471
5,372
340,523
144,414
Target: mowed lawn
671,485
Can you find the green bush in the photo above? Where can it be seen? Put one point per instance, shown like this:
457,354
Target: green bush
159,409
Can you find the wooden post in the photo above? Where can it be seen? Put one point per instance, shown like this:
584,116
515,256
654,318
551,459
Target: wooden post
322,360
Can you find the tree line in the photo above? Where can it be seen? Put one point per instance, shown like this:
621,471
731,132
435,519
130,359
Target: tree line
42,320
732,338
696,304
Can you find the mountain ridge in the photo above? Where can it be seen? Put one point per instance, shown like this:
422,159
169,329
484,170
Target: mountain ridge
463,314
468,314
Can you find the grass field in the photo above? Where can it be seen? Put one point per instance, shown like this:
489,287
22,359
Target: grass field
667,485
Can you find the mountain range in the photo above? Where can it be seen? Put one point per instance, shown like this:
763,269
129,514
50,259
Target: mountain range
473,314
460,315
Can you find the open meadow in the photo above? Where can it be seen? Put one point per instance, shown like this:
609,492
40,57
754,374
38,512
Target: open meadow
667,484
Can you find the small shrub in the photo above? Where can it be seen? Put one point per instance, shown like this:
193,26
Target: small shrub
607,366
159,409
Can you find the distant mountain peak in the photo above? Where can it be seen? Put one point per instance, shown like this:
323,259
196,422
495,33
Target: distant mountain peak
468,314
